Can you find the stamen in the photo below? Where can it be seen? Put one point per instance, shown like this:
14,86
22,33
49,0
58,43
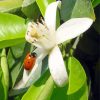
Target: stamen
32,22
41,19
37,22
43,22
34,40
27,32
31,26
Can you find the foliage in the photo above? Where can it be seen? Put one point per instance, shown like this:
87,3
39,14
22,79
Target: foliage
14,16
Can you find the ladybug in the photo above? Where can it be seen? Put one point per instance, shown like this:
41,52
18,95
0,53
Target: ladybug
29,61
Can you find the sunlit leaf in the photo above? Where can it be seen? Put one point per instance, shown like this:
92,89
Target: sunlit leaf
42,4
4,67
77,76
12,30
47,90
60,94
9,5
3,89
41,90
27,2
81,94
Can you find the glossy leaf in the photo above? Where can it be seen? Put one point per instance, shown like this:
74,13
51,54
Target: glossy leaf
76,8
27,2
12,42
95,3
42,4
35,90
47,90
60,93
4,67
4,79
77,76
12,30
9,5
81,94
30,9
3,89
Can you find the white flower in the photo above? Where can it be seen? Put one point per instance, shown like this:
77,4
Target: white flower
46,38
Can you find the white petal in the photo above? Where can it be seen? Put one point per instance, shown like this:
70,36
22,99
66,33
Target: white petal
50,15
19,85
29,77
36,71
57,67
72,28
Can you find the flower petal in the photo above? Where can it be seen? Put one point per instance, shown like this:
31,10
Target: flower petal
72,28
57,67
29,77
34,74
36,71
50,15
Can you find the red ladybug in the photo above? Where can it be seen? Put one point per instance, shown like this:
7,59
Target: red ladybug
29,61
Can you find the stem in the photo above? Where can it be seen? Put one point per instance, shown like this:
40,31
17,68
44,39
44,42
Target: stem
74,46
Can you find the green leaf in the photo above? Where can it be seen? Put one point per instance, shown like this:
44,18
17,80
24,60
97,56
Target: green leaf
27,3
11,42
60,94
77,76
17,97
9,5
12,30
4,67
82,94
95,3
41,90
3,89
47,90
42,4
34,13
76,8
16,55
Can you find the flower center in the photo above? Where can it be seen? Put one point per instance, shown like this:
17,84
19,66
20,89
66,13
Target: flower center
39,34
35,31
